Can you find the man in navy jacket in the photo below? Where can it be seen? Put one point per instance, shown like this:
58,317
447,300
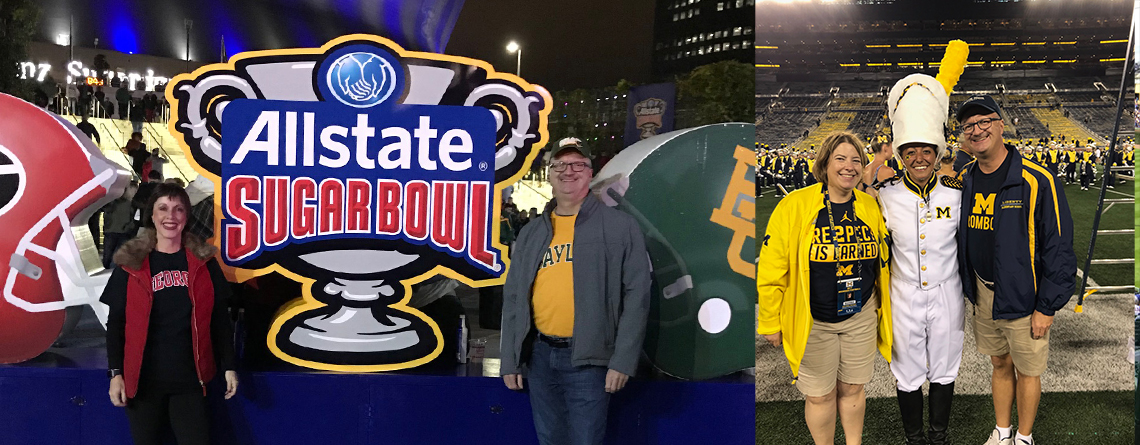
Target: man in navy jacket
1015,256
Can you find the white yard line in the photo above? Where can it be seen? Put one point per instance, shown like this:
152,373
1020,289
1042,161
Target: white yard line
1120,193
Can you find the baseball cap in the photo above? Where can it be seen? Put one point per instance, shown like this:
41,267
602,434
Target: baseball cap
982,103
568,144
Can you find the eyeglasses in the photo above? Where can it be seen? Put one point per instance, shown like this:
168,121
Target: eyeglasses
983,124
574,166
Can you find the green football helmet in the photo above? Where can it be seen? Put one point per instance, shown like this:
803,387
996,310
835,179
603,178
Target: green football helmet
692,192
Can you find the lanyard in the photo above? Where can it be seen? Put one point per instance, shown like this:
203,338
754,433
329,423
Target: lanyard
834,243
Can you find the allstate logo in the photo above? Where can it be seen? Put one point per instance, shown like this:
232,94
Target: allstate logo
360,76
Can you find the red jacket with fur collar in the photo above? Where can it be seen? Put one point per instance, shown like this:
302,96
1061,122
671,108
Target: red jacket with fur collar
134,258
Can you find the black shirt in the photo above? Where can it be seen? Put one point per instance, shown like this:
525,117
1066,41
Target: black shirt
858,255
980,222
169,353
89,130
141,199
168,357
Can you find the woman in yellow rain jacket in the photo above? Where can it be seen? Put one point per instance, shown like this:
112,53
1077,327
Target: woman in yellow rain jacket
823,285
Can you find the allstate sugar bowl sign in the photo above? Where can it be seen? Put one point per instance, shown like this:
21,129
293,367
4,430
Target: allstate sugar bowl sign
358,169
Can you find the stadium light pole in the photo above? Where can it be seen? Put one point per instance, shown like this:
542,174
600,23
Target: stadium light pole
513,48
189,24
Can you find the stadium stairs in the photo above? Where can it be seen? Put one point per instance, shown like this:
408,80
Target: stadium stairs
830,123
115,133
1058,124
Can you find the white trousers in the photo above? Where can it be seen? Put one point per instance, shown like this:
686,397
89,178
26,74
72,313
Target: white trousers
928,329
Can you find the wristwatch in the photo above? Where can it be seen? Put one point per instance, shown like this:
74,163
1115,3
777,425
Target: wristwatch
111,373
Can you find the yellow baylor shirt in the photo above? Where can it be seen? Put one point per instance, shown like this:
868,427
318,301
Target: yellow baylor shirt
553,298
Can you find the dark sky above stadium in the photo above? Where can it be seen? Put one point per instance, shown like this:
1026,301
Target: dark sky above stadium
566,44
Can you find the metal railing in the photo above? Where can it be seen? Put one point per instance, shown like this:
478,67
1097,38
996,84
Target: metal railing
158,143
119,149
1085,289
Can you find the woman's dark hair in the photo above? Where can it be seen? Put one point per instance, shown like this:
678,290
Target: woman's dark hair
170,191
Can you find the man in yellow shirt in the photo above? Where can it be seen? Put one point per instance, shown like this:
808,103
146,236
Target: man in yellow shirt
575,305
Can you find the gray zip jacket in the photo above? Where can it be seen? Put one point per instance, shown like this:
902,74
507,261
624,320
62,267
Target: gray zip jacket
611,289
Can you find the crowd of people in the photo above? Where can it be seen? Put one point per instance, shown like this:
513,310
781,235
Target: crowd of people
786,169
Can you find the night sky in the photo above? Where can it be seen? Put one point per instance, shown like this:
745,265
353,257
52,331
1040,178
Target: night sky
566,44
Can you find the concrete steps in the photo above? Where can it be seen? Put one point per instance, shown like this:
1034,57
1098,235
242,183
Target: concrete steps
830,123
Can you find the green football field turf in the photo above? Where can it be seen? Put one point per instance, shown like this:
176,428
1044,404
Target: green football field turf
1082,207
1063,418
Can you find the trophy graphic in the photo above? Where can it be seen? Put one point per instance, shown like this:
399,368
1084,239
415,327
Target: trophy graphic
407,190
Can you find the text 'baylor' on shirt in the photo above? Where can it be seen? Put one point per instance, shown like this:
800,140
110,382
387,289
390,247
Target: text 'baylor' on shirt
553,295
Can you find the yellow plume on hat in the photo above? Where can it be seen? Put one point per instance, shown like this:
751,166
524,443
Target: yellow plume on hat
953,64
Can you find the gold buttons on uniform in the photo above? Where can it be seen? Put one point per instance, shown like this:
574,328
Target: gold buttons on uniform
921,205
924,251
922,221
923,236
924,283
923,267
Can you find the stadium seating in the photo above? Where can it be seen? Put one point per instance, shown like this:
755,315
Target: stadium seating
804,103
805,112
785,127
1099,118
861,87
809,88
767,88
1071,83
1024,83
1028,126
1084,98
865,123
830,123
1057,124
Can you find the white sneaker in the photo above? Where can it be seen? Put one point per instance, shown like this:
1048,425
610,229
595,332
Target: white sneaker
995,439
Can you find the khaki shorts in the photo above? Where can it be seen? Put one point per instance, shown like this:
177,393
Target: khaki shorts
1013,337
843,351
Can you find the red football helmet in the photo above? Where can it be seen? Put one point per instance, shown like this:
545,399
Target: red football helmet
51,178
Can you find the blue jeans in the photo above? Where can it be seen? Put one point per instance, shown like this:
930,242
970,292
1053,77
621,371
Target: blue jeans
570,403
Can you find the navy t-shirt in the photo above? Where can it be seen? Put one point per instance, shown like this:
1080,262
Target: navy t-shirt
858,256
980,219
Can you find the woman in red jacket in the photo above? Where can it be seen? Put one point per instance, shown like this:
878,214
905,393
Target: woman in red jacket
168,330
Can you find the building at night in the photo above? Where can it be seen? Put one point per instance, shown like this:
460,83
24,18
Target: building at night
691,33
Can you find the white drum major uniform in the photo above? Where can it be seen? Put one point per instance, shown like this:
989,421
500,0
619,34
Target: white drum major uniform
921,211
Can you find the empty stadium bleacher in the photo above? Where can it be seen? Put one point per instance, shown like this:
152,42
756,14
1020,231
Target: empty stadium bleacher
809,88
865,123
806,112
766,88
1084,98
785,126
1068,83
1024,83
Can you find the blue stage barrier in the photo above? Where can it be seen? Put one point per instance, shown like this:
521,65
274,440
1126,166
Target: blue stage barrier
62,399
